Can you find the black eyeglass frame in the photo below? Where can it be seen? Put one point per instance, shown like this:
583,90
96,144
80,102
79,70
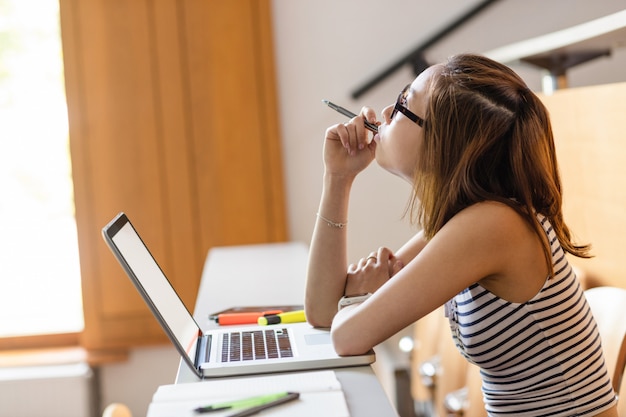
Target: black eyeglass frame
404,110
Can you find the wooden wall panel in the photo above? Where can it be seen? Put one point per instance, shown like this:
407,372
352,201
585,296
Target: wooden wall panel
591,144
173,120
234,87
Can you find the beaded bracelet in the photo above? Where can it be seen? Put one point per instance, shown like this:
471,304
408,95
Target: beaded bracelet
331,223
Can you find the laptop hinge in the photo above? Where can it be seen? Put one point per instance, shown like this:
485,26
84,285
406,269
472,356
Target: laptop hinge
203,351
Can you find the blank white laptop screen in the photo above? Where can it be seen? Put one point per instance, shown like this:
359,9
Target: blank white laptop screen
155,283
298,343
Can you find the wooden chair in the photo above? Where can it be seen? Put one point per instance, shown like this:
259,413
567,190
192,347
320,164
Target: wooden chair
608,305
621,404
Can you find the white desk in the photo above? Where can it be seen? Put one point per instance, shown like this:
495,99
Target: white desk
276,272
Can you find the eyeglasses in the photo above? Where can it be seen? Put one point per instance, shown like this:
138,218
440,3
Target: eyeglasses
401,107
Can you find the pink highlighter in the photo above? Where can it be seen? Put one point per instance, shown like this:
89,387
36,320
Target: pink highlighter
250,317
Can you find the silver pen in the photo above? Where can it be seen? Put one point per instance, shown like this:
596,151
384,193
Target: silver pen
369,126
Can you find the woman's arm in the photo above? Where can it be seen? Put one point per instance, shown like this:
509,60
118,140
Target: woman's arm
487,243
346,154
327,267
329,279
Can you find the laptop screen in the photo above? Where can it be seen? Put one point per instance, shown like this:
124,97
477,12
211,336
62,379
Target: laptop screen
153,284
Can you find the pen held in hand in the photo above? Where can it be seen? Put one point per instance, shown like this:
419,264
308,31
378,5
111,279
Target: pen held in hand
369,126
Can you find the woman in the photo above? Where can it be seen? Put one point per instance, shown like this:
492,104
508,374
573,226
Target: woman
477,147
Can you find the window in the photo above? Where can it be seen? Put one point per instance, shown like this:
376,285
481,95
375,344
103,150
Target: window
40,290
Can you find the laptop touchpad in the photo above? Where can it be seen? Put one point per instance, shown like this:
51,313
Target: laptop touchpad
317,339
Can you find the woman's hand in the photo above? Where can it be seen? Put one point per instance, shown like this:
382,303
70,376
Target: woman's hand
370,273
348,149
346,153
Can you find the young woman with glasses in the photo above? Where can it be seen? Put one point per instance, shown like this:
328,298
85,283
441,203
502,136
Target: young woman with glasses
477,147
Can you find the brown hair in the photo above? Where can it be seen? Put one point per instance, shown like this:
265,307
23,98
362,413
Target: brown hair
487,137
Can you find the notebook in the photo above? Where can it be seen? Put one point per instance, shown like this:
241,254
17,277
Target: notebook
226,351
321,394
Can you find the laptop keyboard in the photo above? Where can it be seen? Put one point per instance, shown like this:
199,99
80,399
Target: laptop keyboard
256,345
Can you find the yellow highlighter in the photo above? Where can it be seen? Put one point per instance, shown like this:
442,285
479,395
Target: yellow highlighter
288,317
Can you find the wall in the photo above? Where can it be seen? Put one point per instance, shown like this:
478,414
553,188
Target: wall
135,381
327,48
589,132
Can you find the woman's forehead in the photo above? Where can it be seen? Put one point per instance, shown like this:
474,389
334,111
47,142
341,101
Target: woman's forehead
419,86
422,80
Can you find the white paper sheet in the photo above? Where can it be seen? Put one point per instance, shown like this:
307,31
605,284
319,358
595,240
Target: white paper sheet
320,395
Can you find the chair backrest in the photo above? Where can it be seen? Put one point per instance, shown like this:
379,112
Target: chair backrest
608,305
621,404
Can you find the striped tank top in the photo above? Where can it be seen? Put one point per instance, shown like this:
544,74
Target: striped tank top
538,358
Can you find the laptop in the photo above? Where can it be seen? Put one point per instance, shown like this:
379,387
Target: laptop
225,351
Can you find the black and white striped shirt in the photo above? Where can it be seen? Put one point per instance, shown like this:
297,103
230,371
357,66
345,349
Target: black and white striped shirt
539,358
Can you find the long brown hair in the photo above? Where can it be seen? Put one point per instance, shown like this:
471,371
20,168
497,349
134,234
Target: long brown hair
487,137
